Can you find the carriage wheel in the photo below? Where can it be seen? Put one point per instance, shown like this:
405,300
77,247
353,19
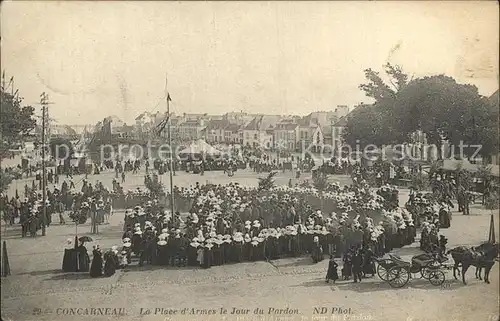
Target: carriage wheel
398,277
425,273
382,272
436,278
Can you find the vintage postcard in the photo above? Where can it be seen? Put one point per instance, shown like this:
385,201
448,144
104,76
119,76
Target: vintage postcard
249,161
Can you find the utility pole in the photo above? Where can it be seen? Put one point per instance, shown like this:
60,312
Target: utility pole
172,207
44,101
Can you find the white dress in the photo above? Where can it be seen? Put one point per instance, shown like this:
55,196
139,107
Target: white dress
199,258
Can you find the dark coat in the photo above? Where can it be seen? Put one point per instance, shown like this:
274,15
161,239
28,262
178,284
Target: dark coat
110,265
96,266
332,273
83,259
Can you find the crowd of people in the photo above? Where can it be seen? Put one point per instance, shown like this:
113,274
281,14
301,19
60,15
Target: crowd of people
93,202
232,223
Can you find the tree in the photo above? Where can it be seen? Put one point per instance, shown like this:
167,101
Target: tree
267,183
435,105
364,126
373,124
155,187
444,109
377,89
5,180
17,121
320,181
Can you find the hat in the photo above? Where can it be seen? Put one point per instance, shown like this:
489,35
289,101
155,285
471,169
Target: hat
124,252
316,239
195,244
128,244
162,242
238,238
113,248
209,245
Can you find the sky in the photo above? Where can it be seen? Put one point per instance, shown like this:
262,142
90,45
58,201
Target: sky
97,59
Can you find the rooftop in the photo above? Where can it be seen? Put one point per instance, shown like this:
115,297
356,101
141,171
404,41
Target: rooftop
263,122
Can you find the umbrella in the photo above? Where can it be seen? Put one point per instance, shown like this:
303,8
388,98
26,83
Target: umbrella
85,239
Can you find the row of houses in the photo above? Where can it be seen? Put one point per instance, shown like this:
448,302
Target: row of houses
282,132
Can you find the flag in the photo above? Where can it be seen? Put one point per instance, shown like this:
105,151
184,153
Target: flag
5,261
491,237
161,126
168,97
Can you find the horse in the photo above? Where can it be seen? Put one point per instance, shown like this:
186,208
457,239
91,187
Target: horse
482,256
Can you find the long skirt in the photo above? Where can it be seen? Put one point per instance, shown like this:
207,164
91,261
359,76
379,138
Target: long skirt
70,261
96,267
109,267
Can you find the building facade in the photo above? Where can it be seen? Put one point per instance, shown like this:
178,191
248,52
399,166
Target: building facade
285,135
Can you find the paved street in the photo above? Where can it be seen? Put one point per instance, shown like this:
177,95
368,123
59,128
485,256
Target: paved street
37,290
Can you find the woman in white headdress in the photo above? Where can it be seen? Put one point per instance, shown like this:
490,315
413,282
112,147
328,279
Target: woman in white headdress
317,250
96,265
111,262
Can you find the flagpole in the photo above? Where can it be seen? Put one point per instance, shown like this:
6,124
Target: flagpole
171,167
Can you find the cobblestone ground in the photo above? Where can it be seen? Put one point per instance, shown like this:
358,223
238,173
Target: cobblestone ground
288,289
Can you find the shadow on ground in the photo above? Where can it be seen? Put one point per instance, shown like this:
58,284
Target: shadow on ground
283,263
70,276
374,285
38,273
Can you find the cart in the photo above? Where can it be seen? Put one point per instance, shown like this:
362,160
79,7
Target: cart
398,272
383,266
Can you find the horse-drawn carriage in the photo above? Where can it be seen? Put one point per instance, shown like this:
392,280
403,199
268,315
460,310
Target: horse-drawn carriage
398,272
